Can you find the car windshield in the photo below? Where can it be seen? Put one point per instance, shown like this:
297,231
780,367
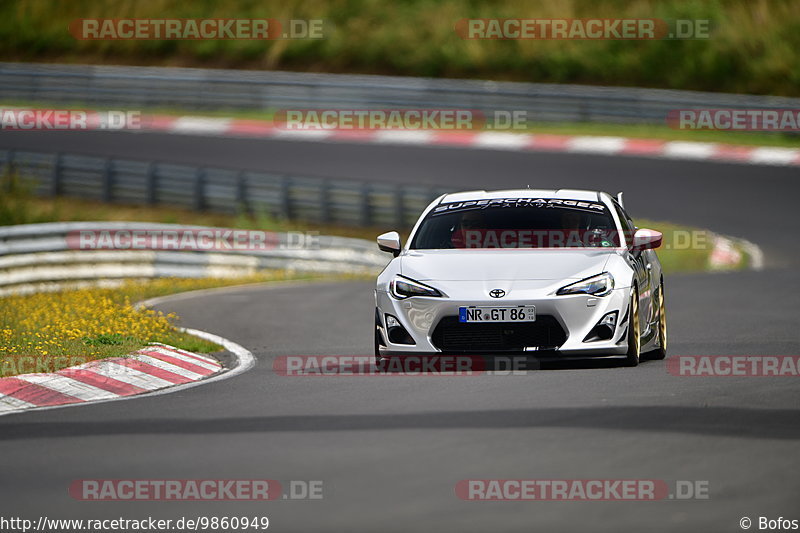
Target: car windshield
525,223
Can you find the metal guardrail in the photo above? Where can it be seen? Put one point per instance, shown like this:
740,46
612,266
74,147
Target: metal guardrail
36,257
281,196
198,89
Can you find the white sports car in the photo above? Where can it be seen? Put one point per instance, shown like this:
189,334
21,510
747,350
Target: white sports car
561,272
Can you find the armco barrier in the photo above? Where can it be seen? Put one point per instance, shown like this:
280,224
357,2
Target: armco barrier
135,87
282,196
34,257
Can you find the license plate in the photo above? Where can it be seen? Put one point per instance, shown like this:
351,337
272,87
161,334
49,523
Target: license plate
520,313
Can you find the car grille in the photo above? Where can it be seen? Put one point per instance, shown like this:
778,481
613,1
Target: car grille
451,335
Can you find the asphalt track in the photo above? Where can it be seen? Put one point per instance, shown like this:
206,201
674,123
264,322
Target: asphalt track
390,450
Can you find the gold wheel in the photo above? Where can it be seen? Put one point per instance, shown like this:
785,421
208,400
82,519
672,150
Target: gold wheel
661,351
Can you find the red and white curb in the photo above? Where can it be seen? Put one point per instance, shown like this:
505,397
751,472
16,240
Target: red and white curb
493,140
155,369
726,255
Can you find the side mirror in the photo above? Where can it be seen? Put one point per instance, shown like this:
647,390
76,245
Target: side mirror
389,242
645,239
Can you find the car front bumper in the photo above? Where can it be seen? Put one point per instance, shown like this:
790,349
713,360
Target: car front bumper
562,324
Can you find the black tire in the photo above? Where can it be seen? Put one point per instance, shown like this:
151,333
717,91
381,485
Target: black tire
661,352
633,356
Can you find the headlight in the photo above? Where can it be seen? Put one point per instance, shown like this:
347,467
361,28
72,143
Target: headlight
599,285
401,288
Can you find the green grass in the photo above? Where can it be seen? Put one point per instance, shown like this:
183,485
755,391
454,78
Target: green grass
674,254
753,48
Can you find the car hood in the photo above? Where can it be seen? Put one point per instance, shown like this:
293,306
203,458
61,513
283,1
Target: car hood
484,265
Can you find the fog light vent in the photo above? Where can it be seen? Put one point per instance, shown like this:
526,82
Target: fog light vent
604,330
396,332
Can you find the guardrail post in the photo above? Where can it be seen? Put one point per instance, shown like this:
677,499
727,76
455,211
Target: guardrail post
584,112
285,198
325,201
200,189
55,182
400,213
108,180
9,167
366,208
151,183
241,192
10,172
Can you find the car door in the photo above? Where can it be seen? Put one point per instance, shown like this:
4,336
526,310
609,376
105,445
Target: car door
654,277
642,265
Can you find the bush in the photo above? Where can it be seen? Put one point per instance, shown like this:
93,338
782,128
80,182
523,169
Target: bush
754,44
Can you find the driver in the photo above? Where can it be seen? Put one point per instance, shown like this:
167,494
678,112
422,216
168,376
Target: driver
469,231
570,228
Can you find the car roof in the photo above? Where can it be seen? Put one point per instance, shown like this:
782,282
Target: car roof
566,194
